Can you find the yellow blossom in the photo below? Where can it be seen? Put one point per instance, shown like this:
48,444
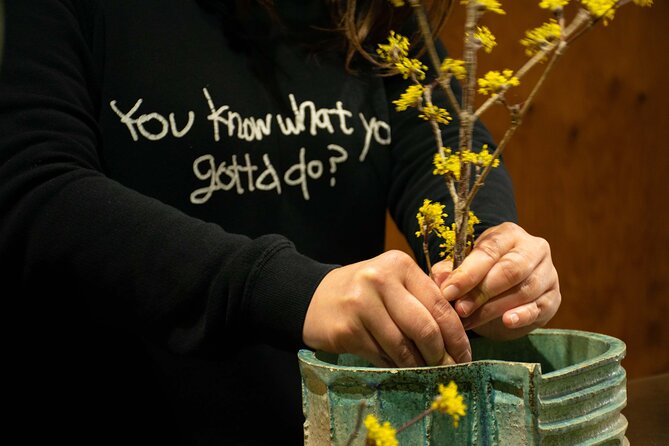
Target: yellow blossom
488,5
486,38
397,3
412,97
448,235
447,165
396,49
450,402
379,434
408,67
494,81
431,112
430,218
473,220
454,66
536,39
484,157
601,8
553,4
643,2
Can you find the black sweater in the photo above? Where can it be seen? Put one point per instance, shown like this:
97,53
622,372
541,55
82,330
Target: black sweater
170,197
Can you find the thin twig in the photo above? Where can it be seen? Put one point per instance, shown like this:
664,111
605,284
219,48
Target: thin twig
426,33
358,423
515,124
415,419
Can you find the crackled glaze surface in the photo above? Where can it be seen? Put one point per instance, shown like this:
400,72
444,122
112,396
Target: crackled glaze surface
552,387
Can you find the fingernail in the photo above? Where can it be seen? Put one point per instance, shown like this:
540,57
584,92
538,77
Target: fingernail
464,307
451,292
514,318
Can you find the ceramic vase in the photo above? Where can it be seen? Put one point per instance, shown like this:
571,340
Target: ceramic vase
551,387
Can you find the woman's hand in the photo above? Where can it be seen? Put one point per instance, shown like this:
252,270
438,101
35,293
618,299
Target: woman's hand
506,286
388,311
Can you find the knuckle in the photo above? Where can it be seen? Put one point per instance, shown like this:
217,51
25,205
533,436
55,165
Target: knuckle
428,333
371,274
490,247
543,245
441,310
510,227
528,287
513,268
353,301
398,258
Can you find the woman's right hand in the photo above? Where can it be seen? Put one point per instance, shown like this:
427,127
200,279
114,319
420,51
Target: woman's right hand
388,311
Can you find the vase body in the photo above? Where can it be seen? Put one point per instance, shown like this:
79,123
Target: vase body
551,387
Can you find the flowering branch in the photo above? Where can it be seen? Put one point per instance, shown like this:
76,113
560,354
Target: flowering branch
448,402
465,170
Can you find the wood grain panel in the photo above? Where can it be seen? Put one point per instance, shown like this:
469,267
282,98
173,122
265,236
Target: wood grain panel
590,165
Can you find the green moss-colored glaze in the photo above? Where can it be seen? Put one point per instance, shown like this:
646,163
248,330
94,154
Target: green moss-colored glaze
551,387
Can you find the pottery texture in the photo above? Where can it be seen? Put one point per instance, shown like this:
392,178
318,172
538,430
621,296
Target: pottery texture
551,387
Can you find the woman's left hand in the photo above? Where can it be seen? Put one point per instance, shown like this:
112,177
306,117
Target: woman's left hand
506,286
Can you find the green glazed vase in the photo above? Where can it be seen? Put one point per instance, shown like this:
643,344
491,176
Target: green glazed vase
551,387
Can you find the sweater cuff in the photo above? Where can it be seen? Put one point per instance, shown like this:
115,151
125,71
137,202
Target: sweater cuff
284,284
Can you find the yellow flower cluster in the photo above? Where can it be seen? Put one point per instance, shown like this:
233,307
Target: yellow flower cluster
431,112
454,66
447,234
473,220
484,157
553,4
396,48
450,402
488,5
601,8
407,67
379,434
450,164
396,53
485,37
607,8
412,97
430,218
447,165
494,81
536,39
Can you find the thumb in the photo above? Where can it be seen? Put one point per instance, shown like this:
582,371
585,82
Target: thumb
441,271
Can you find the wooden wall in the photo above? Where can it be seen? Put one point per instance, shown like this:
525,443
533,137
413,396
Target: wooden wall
590,167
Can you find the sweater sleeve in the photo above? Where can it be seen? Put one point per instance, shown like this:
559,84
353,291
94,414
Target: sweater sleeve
413,150
68,229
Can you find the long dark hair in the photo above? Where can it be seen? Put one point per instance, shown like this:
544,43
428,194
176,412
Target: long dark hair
355,27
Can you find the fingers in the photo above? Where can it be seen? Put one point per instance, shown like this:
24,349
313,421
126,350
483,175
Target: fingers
521,320
489,248
507,257
441,271
387,311
532,302
445,318
386,346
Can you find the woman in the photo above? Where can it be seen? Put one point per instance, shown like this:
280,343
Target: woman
191,192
